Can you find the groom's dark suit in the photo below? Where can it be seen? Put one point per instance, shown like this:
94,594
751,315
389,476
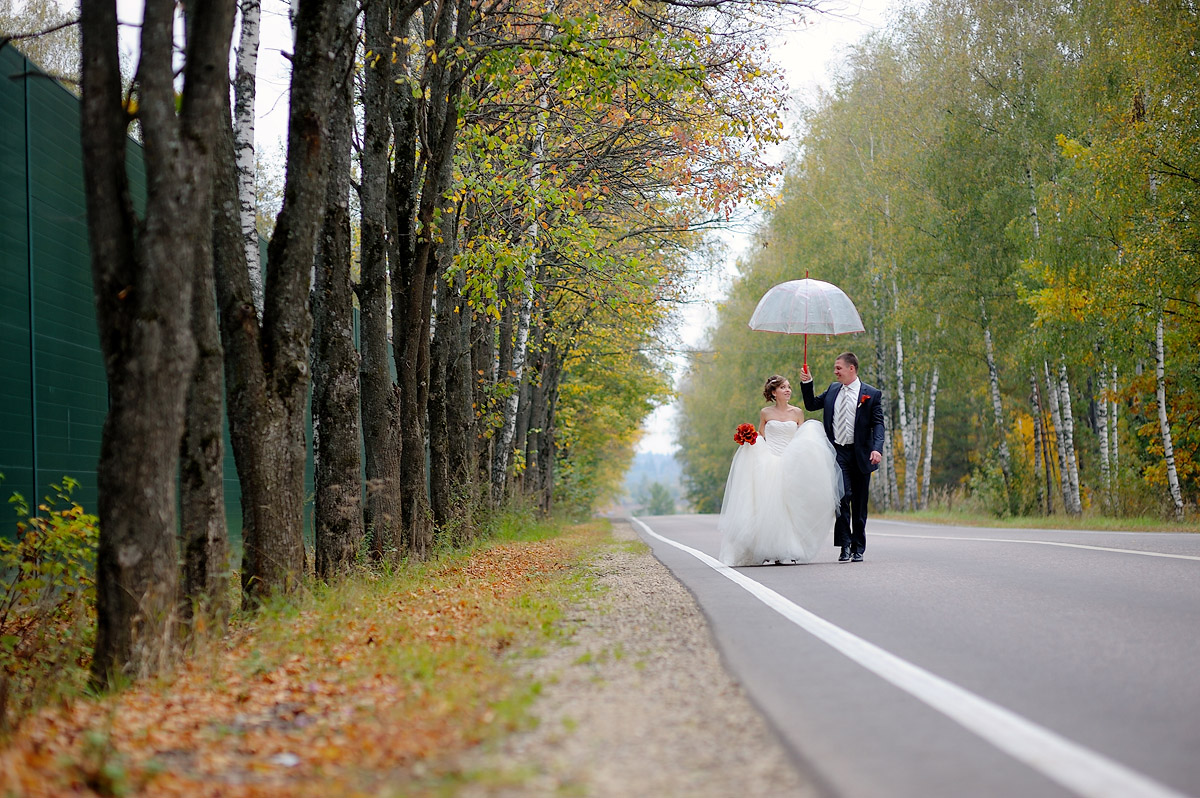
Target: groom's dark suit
854,459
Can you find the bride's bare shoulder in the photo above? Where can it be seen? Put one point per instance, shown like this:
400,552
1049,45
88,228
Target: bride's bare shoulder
773,413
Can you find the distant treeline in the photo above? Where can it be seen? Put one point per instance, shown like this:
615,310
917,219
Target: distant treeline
1010,195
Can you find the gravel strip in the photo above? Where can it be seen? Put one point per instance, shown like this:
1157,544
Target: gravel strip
637,703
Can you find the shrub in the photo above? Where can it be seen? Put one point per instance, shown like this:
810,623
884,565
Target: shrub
989,493
47,602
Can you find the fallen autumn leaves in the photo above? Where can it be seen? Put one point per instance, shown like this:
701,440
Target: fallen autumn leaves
356,689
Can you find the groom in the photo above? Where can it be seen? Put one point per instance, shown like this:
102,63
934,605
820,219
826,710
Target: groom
854,423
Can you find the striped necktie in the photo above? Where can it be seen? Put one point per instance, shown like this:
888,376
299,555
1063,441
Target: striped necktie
843,420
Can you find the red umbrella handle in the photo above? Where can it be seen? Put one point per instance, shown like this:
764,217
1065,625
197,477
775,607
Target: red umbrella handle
806,334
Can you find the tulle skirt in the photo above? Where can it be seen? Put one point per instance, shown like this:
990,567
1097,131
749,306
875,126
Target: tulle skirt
780,500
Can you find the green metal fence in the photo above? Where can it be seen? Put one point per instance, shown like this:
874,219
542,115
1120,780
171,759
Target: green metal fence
53,393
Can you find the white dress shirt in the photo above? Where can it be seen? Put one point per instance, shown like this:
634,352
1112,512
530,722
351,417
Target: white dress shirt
847,402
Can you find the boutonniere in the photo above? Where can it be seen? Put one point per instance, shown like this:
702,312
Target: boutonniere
862,400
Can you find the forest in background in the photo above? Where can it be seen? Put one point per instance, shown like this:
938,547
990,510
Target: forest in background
1009,193
509,194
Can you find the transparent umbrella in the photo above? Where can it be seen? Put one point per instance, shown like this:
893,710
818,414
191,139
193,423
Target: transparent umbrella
801,307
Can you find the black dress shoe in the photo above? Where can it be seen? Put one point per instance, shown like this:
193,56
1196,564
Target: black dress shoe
845,555
856,557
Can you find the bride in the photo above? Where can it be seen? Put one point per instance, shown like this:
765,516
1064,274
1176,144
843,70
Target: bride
783,491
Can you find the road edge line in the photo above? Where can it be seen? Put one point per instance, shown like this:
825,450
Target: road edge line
1079,769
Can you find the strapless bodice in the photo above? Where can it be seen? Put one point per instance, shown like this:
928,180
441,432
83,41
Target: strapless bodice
778,434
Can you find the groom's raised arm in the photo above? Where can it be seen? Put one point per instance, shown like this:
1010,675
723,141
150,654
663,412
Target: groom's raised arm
811,402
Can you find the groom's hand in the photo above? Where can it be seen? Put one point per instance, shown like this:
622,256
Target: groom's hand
805,376
876,457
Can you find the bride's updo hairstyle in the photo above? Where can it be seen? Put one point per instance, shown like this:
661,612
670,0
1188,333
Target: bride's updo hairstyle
773,382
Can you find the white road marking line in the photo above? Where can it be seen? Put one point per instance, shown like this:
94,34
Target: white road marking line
1079,769
1040,543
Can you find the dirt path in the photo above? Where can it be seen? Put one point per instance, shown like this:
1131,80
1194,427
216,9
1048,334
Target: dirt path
637,704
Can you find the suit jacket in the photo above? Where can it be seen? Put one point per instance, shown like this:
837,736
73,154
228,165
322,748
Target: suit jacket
868,419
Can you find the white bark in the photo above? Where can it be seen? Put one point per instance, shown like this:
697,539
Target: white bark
997,407
912,484
884,483
504,438
891,488
1067,442
908,500
1057,424
927,470
1112,415
243,136
1033,205
1102,433
1164,422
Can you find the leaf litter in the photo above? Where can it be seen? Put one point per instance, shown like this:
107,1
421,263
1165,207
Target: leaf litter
358,689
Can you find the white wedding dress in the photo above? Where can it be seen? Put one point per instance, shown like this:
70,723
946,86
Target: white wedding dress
781,497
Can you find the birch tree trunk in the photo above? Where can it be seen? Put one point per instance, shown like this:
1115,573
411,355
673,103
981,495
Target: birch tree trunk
483,334
906,498
1039,442
915,412
243,137
1164,422
504,437
1067,442
1102,434
997,407
1034,220
891,483
1052,396
1115,448
889,489
907,433
929,426
547,449
461,416
884,488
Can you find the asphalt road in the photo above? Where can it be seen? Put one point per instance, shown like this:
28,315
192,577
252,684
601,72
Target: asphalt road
965,661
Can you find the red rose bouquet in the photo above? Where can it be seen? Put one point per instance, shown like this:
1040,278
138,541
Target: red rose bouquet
746,433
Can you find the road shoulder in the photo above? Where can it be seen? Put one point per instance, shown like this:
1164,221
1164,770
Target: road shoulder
636,702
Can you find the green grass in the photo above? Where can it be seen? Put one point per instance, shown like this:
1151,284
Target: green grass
438,638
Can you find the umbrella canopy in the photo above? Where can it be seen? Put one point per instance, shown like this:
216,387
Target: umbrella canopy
806,306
